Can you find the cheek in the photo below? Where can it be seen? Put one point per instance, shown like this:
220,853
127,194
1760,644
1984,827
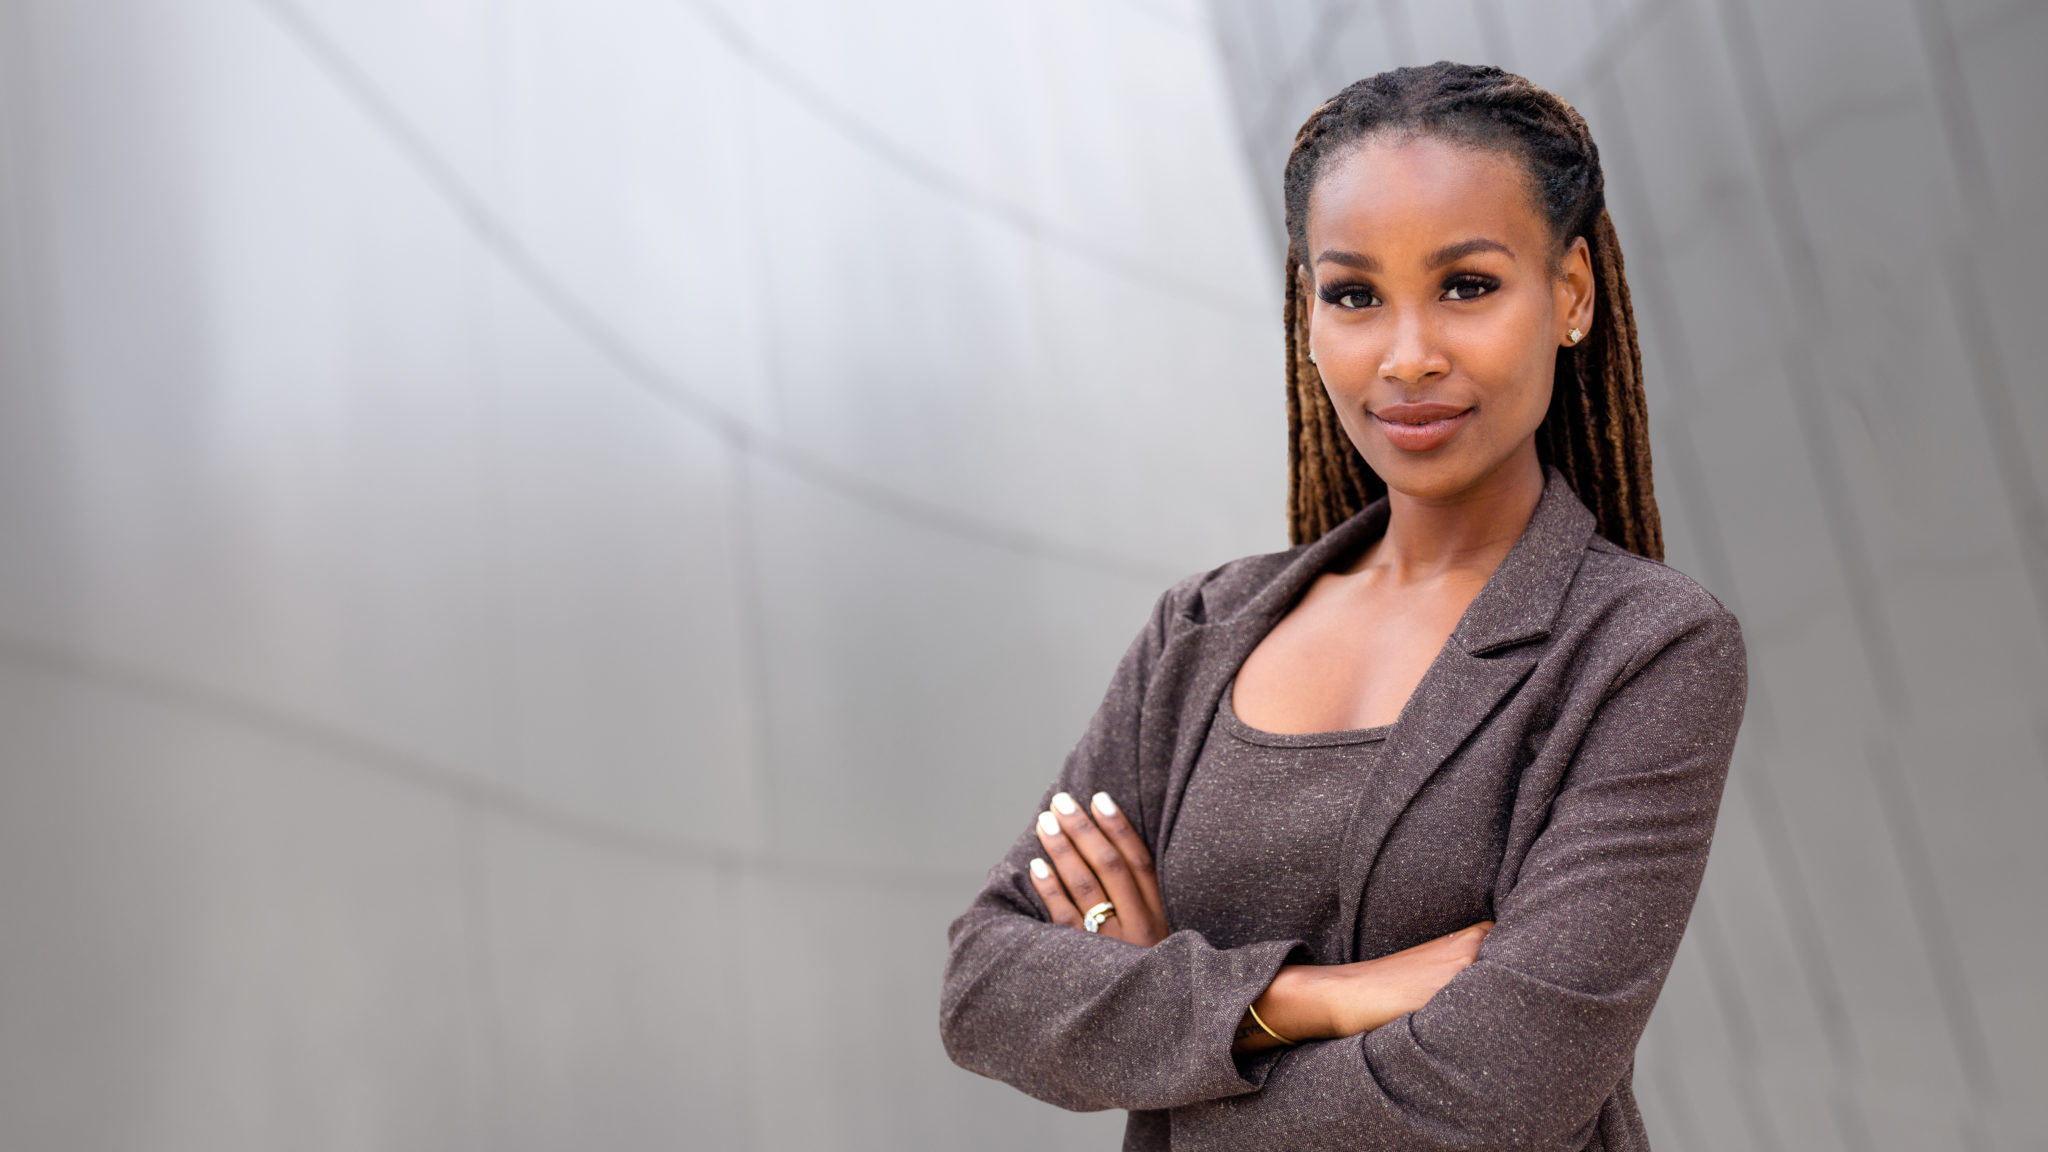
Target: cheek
1513,363
1350,400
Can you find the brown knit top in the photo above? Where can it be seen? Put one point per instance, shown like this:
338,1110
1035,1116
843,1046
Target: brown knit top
1275,806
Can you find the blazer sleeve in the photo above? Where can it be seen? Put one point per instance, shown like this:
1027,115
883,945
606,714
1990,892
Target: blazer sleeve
1088,1022
1522,1047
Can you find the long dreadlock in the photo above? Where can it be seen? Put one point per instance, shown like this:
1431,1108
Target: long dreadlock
1597,430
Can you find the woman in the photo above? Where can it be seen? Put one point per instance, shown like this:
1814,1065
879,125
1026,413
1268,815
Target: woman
1387,841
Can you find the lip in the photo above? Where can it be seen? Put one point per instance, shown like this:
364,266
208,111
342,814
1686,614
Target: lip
1420,427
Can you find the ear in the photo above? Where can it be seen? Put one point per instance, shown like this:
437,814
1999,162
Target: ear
1575,290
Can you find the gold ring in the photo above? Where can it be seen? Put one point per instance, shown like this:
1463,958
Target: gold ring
1093,918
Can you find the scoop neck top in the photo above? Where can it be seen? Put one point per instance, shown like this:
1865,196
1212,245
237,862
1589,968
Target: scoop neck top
1271,808
1227,713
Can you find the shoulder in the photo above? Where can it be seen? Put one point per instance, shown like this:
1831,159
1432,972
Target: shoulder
1218,593
1632,608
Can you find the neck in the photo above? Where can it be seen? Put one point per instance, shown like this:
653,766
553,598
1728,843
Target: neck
1474,528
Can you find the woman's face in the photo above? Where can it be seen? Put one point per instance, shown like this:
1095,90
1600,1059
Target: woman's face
1435,309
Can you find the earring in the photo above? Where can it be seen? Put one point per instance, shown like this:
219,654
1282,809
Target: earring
1311,355
1574,336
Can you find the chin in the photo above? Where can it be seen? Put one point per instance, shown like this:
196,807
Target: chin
1436,476
1427,479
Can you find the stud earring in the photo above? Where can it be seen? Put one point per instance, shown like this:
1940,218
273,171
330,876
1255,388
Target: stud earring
1574,336
1311,355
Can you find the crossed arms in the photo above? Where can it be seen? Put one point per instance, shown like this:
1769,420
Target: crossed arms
1510,1036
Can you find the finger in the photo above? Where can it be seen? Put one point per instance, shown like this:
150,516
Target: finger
1104,858
1050,890
1074,872
1111,820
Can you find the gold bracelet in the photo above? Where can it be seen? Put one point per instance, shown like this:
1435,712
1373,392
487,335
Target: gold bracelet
1267,1028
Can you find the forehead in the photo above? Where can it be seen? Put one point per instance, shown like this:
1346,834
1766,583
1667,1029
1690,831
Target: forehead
1391,192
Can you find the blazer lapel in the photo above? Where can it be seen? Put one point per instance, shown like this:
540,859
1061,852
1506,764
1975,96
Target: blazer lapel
1457,693
1469,679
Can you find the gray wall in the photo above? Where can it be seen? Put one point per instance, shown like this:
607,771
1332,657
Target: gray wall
546,545
1838,251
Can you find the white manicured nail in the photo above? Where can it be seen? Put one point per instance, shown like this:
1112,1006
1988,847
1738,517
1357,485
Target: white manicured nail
1065,804
1040,869
1048,824
1104,804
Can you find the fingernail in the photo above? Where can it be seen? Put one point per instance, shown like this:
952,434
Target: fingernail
1104,804
1040,870
1065,804
1048,824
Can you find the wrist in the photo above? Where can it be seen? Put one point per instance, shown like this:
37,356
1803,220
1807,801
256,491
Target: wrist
1297,1004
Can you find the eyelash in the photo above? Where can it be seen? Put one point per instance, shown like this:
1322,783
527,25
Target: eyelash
1485,285
1469,282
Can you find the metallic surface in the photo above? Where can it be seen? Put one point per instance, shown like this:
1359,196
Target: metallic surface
508,513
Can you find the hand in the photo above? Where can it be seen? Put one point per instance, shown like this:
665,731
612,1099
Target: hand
1378,991
1326,1001
1097,859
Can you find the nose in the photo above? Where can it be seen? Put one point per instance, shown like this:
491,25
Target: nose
1413,353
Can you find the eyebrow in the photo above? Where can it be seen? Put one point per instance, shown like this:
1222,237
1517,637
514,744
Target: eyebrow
1447,254
1450,253
1348,259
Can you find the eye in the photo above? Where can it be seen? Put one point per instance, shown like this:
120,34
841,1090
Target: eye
1470,287
1348,296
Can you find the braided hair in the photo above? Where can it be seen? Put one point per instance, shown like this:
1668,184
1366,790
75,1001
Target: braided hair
1597,428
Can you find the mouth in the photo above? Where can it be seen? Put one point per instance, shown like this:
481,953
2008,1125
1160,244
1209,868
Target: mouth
1420,427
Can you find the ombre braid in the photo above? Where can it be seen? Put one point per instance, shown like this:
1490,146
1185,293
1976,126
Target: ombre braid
1597,431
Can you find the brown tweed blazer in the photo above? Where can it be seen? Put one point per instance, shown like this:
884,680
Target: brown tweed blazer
1558,770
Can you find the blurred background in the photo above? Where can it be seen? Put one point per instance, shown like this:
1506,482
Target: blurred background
521,522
